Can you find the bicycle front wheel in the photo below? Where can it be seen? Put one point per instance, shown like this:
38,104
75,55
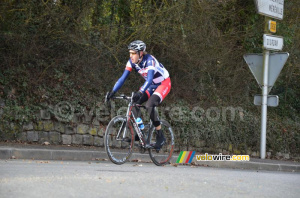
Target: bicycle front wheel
119,140
164,155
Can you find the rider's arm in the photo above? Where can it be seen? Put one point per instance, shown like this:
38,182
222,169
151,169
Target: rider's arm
149,80
121,80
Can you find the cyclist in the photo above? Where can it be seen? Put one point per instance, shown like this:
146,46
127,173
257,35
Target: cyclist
156,87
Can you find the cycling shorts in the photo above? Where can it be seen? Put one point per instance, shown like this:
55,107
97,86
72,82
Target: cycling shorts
161,90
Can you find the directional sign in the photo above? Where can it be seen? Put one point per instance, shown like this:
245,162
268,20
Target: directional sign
276,62
273,42
273,100
271,8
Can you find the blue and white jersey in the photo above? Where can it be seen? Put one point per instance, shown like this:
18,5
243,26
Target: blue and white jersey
149,68
149,62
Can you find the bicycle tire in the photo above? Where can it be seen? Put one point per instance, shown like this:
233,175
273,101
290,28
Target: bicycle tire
118,150
165,153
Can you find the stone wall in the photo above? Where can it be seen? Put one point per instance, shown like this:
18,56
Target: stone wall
88,129
82,130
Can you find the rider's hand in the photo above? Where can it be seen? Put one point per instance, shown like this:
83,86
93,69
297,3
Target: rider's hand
109,95
137,95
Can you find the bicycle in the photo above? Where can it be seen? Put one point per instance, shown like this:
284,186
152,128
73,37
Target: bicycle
120,135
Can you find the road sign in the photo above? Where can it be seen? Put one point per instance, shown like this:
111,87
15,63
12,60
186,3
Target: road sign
271,8
276,62
272,42
272,26
259,63
273,100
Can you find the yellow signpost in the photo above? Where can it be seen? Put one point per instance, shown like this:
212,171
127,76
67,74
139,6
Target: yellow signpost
272,26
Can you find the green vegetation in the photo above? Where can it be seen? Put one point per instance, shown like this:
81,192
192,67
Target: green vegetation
74,51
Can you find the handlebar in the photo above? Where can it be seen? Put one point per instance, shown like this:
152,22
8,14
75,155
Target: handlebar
124,97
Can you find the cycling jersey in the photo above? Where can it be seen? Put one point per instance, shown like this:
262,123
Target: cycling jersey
150,69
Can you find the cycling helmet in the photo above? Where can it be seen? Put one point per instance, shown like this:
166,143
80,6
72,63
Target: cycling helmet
137,45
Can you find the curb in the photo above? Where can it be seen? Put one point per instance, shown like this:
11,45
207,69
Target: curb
8,152
259,166
54,154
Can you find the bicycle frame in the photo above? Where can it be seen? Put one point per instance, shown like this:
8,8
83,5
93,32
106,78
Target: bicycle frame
131,118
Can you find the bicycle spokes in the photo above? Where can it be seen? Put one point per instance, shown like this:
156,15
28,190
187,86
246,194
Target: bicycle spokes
117,148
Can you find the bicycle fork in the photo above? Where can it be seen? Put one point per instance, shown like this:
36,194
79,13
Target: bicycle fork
124,125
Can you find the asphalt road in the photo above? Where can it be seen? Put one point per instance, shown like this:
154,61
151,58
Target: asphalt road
28,178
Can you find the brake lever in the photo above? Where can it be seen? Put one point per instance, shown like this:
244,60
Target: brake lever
105,100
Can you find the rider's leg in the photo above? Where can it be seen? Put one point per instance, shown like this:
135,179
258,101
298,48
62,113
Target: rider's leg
153,101
158,96
150,106
136,111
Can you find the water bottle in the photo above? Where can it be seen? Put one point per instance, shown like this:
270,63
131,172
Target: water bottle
139,121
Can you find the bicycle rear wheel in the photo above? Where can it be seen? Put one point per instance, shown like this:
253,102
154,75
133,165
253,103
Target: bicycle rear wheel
117,149
164,155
